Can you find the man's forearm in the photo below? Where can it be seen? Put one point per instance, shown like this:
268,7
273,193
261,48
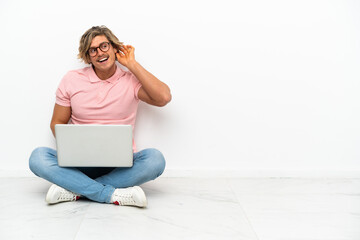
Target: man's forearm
156,89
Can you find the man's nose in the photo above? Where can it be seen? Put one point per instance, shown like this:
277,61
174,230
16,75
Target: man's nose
98,51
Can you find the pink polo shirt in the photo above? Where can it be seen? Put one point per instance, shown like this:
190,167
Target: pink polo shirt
96,101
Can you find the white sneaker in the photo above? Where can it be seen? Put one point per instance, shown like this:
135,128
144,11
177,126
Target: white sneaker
58,194
132,196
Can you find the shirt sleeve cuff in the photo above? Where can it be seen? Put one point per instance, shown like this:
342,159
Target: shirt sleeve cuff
137,88
62,103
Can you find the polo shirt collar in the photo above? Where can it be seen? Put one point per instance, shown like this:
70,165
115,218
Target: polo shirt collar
94,78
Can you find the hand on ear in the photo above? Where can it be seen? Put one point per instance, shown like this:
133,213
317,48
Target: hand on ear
125,55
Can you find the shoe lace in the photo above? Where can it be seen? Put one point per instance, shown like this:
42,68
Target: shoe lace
124,199
66,195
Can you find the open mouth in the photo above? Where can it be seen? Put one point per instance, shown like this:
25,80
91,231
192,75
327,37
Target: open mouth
102,60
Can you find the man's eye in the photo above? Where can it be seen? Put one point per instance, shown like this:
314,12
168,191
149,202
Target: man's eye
92,50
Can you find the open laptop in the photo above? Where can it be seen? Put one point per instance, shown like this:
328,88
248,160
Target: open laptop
94,145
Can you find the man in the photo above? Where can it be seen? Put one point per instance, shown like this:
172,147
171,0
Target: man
102,94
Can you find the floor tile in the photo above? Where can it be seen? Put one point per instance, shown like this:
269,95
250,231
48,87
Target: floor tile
24,214
178,209
191,208
301,209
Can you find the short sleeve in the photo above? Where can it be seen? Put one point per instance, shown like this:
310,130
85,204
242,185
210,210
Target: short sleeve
137,88
62,95
136,85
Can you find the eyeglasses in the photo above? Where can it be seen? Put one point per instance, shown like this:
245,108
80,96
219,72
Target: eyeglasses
104,47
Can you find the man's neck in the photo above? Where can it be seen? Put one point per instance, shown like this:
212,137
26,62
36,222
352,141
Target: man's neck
103,75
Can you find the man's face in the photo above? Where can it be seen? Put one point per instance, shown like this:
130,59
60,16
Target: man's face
103,59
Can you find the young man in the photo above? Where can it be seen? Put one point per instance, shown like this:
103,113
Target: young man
102,94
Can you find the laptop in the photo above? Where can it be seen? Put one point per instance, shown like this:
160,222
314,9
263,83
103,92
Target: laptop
94,145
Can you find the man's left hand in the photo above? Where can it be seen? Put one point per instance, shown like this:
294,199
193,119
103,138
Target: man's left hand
126,55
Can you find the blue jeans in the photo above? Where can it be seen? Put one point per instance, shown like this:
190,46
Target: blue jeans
97,183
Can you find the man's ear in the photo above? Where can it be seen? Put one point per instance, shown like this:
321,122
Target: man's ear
116,51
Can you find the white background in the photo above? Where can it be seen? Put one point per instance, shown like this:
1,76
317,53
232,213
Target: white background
258,86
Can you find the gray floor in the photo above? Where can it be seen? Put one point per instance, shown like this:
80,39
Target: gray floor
190,208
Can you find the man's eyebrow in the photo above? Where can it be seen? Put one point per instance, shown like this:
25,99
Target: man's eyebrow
97,46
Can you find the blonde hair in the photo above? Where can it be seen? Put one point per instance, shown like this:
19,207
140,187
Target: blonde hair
89,35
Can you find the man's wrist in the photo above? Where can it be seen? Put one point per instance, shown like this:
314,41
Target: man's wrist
132,66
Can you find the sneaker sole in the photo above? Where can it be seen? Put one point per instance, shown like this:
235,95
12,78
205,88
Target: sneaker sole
143,197
50,193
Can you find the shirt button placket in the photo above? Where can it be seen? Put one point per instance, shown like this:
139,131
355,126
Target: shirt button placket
101,92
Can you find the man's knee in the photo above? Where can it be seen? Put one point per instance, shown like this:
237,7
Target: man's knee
156,160
37,157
